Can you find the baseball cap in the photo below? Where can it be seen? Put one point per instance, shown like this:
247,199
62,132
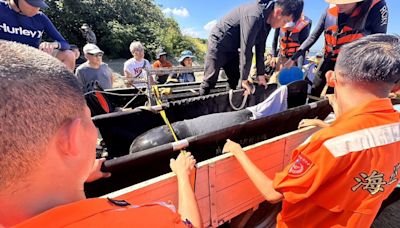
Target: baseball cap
37,3
185,54
161,53
91,49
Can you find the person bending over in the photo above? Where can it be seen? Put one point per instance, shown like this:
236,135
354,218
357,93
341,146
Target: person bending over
232,39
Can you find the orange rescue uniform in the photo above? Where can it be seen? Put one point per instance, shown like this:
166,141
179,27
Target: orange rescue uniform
341,174
107,213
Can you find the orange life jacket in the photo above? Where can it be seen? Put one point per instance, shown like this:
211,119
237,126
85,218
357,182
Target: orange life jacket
107,213
353,30
290,40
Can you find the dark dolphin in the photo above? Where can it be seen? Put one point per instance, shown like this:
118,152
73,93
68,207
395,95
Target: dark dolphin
184,129
296,95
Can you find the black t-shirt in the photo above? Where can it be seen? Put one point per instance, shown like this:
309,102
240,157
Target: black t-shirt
244,27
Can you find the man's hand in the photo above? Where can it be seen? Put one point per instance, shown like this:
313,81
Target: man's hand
272,63
247,88
333,103
183,164
48,47
312,122
232,147
288,64
262,81
96,173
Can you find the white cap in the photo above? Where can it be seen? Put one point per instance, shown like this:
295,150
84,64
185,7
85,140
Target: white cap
92,49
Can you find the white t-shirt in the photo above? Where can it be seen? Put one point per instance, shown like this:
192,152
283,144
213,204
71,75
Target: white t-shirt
135,68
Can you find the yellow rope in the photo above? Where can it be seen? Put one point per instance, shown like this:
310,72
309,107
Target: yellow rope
164,115
193,173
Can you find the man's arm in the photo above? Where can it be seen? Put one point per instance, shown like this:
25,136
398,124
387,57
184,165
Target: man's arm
259,179
53,33
275,43
303,37
96,173
260,50
188,207
320,123
377,19
113,76
312,39
127,74
249,29
80,76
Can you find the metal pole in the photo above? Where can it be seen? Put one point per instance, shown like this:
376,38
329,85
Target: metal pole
149,92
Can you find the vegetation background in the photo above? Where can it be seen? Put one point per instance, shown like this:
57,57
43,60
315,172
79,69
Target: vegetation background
117,23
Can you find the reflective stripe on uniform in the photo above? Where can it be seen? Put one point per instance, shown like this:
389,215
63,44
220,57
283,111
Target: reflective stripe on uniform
363,139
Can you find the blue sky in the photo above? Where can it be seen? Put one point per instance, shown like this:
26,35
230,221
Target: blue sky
195,17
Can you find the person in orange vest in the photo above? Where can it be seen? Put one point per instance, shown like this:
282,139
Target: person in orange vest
290,37
162,62
341,174
342,23
48,150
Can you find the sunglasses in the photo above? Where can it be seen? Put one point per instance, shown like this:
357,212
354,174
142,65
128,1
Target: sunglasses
97,55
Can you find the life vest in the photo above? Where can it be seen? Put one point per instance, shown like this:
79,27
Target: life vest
290,40
353,30
98,103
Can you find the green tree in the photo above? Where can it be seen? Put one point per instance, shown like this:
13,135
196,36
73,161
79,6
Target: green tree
117,23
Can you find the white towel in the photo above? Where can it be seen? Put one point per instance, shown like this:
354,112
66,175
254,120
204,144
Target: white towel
397,107
276,102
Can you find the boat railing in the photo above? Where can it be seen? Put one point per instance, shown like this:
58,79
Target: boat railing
174,70
223,190
163,71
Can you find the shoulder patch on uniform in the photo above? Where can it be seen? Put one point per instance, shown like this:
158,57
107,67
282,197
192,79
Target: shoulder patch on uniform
300,166
120,203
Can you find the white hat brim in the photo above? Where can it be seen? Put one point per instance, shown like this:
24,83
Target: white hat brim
94,52
184,57
339,2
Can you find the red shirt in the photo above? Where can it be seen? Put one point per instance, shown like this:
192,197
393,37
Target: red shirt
341,174
158,64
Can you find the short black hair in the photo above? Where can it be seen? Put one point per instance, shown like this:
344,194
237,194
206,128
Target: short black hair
38,95
292,8
375,58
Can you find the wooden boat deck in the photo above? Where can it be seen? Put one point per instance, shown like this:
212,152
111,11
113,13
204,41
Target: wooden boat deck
223,190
